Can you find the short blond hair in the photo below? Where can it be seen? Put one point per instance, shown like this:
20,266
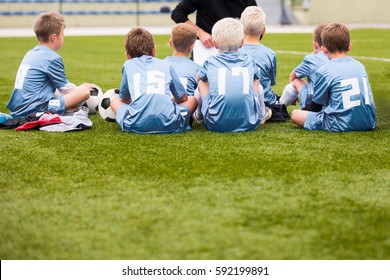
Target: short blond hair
228,34
48,23
253,20
183,36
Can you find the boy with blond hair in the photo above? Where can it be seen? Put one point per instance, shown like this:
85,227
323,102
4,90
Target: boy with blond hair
41,84
151,96
228,83
183,37
342,98
298,88
253,19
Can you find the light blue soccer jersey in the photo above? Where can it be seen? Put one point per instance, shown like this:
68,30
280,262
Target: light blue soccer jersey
187,70
232,104
149,83
307,69
342,87
265,59
40,74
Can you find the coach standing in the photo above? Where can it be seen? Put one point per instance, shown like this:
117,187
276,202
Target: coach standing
208,13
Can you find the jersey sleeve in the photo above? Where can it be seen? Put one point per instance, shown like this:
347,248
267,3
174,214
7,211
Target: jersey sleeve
321,89
183,9
176,86
273,71
257,70
303,69
56,73
124,92
203,72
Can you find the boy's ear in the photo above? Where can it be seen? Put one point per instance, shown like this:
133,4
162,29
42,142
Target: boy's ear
350,47
170,42
52,37
191,48
127,55
325,50
315,45
263,31
242,43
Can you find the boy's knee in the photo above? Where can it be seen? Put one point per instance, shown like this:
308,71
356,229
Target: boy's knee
298,117
116,102
293,116
85,93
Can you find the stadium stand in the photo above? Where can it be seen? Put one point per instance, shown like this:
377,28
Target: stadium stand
21,13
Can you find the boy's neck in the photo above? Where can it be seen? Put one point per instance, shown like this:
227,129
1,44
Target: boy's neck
317,50
226,51
46,44
181,54
337,55
251,39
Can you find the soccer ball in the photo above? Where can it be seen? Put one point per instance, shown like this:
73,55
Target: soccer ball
93,101
104,106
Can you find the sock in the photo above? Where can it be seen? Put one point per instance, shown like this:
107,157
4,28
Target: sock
199,99
261,100
289,95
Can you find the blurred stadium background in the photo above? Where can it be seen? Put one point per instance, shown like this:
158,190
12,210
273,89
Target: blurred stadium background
110,13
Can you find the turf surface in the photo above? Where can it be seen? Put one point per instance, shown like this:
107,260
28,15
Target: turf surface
276,193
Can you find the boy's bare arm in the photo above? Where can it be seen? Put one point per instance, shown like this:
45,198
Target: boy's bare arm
182,99
293,76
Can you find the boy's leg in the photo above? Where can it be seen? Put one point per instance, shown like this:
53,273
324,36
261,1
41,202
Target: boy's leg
266,113
289,95
298,117
187,109
203,90
62,102
298,84
191,104
291,91
304,96
78,95
116,102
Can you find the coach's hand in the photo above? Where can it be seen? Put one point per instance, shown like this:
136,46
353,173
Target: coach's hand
206,39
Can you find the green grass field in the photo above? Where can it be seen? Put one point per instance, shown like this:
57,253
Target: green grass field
276,193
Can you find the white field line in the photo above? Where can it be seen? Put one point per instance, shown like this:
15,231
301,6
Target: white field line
381,59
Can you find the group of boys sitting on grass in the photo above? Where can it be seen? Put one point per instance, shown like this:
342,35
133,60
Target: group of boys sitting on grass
230,92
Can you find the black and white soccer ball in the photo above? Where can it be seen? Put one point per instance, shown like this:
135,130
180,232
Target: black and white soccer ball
94,99
105,110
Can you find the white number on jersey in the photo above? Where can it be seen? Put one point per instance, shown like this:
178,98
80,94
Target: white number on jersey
21,76
155,83
236,71
355,90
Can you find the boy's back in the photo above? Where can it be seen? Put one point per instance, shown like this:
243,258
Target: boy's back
342,87
232,104
308,69
148,82
309,66
265,59
187,71
40,73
